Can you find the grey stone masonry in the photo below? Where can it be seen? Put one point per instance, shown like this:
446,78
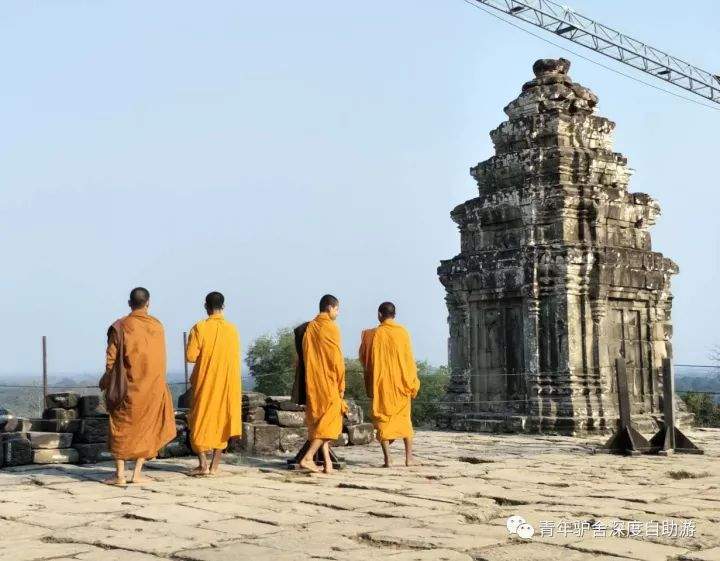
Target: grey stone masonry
556,275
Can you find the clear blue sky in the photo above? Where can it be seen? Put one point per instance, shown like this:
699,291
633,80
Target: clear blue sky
278,150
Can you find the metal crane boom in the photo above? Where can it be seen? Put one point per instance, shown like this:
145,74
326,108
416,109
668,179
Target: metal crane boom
566,23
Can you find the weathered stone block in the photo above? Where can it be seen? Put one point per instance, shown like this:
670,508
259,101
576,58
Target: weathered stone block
93,453
253,399
17,452
174,449
362,433
93,429
17,424
354,414
291,418
63,400
55,425
292,438
55,456
5,416
59,413
271,415
247,440
290,406
50,439
254,414
185,399
92,406
267,438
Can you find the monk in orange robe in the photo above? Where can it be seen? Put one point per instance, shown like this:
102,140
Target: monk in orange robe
391,380
324,382
214,347
142,417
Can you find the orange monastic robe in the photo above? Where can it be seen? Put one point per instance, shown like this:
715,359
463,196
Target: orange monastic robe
145,421
391,377
214,347
324,378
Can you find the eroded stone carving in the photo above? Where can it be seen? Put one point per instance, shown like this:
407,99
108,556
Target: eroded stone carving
556,276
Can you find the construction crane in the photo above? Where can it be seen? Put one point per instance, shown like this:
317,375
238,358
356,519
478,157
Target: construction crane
570,25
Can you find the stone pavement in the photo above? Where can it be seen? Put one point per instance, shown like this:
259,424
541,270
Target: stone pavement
452,506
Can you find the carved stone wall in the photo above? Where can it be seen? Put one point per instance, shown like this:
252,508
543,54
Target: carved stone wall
556,276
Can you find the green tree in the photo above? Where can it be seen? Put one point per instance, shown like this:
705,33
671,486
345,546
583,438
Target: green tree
702,405
433,383
271,360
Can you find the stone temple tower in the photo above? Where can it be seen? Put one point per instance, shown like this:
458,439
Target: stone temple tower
556,276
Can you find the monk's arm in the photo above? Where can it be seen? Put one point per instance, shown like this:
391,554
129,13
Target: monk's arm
365,354
340,363
193,346
110,356
412,381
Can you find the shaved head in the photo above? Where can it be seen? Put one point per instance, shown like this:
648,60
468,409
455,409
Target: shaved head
214,302
139,297
386,310
328,301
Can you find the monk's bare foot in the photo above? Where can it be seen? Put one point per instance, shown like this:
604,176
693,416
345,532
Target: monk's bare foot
308,465
198,471
140,479
387,465
410,462
120,481
214,472
329,470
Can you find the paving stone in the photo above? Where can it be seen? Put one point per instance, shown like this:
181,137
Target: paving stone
539,552
55,456
291,418
63,400
363,433
92,406
237,551
50,439
59,413
37,550
430,538
624,547
705,555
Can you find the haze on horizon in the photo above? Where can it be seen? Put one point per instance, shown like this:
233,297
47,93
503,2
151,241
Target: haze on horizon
276,152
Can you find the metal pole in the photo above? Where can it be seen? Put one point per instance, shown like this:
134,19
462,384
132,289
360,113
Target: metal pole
185,359
45,369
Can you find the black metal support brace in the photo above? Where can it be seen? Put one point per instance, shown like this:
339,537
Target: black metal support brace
669,438
626,439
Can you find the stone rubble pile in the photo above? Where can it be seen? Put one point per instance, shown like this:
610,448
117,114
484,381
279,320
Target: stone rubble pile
276,424
74,429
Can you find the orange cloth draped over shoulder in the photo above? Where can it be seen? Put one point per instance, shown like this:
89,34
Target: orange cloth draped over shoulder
214,347
324,378
144,421
391,374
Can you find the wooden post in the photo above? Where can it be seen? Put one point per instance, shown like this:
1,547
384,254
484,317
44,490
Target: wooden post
45,368
185,364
